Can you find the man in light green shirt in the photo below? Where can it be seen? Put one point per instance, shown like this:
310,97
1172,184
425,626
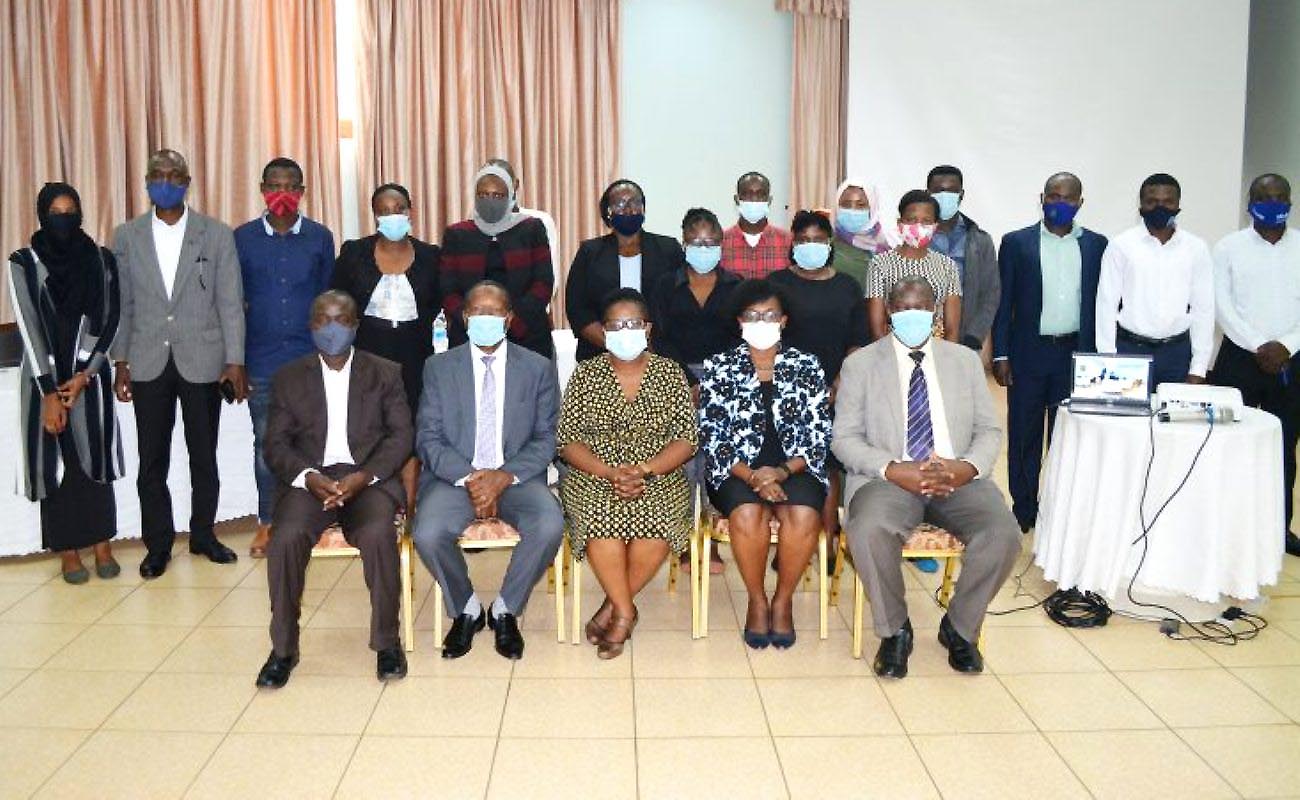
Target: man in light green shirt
1062,267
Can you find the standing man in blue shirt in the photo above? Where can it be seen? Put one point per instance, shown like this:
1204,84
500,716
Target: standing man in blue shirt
1048,312
965,242
286,261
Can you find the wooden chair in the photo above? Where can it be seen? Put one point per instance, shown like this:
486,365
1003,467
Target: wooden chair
333,545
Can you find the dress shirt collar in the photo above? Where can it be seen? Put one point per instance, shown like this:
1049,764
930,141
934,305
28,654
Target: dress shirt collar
270,231
498,355
1286,237
1150,239
180,223
904,352
344,371
1075,232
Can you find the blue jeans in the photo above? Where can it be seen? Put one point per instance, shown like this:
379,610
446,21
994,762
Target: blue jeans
259,407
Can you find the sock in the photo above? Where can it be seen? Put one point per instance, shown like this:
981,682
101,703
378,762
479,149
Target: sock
498,608
473,608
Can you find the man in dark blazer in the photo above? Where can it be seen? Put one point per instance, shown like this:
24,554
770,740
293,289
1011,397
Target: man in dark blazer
338,433
1047,313
180,338
485,434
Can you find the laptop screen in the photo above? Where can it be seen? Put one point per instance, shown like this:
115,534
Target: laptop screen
1111,378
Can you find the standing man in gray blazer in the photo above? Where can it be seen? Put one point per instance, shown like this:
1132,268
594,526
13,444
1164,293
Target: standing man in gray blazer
917,434
181,338
485,433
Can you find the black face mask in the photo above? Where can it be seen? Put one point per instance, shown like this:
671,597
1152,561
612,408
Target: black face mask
1159,217
62,226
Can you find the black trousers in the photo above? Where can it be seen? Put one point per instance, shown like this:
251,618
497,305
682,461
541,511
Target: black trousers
155,418
1236,366
1170,361
1031,399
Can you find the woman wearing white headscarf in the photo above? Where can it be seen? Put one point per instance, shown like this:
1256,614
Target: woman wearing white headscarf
859,232
500,244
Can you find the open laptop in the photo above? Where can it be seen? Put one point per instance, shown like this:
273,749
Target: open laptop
1118,385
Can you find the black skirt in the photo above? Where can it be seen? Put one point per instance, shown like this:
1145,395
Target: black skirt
79,513
406,344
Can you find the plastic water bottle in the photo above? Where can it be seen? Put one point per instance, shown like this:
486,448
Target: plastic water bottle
440,332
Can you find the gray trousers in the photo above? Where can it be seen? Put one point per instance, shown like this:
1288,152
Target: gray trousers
881,515
443,513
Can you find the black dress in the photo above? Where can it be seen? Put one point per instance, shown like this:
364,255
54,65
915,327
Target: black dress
801,488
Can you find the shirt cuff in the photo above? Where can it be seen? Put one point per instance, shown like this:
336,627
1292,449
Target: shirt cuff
461,482
1001,358
300,482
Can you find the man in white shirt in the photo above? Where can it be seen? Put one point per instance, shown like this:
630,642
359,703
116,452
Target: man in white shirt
1156,292
1257,298
337,435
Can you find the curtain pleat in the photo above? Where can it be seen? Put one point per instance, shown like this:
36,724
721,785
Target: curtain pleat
817,86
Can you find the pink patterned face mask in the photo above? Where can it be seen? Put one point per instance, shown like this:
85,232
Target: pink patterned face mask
917,234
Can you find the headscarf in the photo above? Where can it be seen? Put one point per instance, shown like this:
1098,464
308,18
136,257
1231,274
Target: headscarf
72,260
512,217
876,237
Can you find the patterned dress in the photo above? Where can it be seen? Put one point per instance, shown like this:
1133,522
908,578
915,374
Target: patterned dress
886,269
595,413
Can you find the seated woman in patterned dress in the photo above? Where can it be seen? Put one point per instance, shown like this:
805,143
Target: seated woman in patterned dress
765,427
626,428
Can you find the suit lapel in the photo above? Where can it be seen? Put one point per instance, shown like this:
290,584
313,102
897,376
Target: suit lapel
465,391
1034,250
313,391
950,390
190,248
893,391
514,390
148,253
358,383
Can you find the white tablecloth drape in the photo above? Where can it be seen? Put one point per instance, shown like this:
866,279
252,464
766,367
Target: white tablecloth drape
20,519
1221,537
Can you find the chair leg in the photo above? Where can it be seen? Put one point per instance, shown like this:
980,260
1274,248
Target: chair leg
823,599
673,566
702,567
839,569
437,614
550,578
575,577
557,573
404,547
945,588
859,603
695,583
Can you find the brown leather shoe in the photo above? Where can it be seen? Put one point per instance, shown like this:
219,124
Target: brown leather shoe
258,548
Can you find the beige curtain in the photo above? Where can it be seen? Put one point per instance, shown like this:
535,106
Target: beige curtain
444,86
818,80
89,89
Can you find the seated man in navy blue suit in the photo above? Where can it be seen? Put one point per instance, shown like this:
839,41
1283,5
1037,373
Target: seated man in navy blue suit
1047,313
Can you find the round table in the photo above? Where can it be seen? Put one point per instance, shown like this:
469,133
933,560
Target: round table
1221,537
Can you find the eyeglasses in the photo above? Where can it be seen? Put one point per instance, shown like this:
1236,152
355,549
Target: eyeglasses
624,325
771,315
704,243
629,204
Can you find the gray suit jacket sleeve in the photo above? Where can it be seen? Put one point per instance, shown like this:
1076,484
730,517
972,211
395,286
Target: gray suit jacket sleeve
432,440
230,295
126,281
986,432
850,439
982,289
536,454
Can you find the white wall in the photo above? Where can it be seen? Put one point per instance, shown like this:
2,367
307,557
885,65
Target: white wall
1273,98
1011,91
705,95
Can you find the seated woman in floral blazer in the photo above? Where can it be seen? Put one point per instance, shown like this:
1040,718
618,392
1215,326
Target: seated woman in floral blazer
765,426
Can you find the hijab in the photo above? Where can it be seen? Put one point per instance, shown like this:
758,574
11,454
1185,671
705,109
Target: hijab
72,259
512,216
876,237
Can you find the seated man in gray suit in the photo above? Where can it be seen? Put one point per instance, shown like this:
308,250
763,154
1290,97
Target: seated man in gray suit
485,433
916,432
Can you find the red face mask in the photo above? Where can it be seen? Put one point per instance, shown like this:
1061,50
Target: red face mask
282,204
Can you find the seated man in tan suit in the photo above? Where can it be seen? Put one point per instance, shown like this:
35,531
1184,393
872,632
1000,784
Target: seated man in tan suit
916,432
337,436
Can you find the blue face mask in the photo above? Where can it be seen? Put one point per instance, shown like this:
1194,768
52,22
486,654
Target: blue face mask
703,259
811,255
394,227
165,194
1159,217
626,345
852,220
1270,213
912,327
486,330
1059,213
753,211
333,338
948,203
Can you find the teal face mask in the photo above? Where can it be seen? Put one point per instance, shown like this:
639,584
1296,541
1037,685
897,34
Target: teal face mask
852,220
948,203
912,327
485,330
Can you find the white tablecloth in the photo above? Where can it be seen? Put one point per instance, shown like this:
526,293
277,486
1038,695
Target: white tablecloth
1221,537
20,520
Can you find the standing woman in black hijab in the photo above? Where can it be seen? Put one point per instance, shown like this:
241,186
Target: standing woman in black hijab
65,295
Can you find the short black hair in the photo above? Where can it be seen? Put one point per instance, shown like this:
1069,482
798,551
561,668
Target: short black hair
390,187
756,290
944,169
1160,179
282,163
915,196
604,196
1062,177
1270,177
805,219
488,283
624,295
752,175
694,216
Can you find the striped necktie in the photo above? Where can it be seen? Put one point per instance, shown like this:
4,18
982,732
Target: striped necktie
920,433
485,434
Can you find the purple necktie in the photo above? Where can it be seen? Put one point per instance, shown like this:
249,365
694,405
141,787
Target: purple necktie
920,434
485,434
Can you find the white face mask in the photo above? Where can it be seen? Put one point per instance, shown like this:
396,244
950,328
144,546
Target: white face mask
626,345
761,335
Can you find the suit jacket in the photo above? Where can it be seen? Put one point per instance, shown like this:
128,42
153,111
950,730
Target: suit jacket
980,286
379,422
448,417
594,274
871,424
1015,329
201,326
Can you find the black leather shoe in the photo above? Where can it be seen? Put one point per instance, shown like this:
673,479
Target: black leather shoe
461,636
509,641
154,565
963,656
275,672
216,552
1292,544
391,663
891,658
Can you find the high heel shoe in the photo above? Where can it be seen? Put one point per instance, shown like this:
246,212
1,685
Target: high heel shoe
781,641
607,649
756,640
595,632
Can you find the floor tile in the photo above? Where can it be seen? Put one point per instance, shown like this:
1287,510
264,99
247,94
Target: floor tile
440,707
43,700
810,657
698,707
61,603
163,606
1258,761
127,764
481,662
9,678
31,644
187,570
563,769
685,769
1272,647
289,766
211,703
827,707
1079,702
226,650
322,573
569,708
1137,647
997,766
448,769
549,659
661,611
1206,697
11,593
1278,685
342,608
28,756
245,607
132,648
313,704
955,704
869,768
1012,651
30,570
674,654
1152,765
